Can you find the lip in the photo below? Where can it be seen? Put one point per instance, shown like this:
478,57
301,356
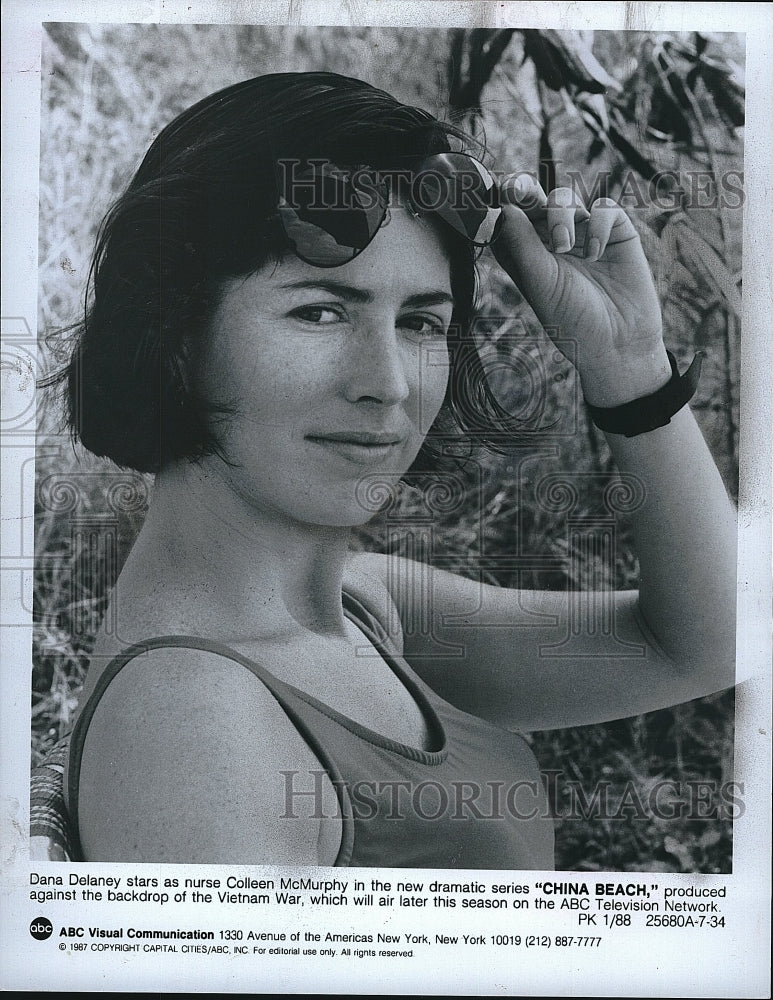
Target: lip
361,447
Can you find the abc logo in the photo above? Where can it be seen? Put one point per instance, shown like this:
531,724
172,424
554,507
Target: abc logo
41,928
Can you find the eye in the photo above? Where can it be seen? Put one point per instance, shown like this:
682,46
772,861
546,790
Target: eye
318,315
424,326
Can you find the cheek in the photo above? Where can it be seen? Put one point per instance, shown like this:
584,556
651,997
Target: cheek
434,381
260,378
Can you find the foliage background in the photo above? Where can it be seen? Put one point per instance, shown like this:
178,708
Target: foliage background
625,105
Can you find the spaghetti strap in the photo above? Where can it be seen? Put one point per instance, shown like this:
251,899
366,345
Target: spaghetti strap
399,805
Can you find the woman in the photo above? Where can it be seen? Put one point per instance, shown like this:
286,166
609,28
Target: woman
280,317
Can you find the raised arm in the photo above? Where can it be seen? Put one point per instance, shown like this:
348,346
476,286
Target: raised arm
598,291
675,636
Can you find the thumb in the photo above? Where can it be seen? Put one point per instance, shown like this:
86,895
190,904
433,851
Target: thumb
520,251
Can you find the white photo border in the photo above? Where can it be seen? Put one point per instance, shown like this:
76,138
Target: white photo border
22,26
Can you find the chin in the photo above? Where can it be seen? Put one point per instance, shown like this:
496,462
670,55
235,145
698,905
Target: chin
357,503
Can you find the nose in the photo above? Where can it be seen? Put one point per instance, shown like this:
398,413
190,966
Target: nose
379,367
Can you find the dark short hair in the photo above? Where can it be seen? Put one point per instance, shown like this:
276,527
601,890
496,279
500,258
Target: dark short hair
199,212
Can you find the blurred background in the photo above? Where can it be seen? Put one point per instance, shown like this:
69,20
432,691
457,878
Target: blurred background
652,120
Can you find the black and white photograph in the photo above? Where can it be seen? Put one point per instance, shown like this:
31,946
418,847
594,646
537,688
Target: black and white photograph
387,439
413,519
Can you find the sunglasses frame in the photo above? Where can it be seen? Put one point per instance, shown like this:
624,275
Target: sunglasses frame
384,187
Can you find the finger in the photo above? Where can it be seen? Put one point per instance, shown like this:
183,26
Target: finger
562,207
524,191
521,252
608,224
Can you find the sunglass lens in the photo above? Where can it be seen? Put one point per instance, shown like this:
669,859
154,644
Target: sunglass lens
331,215
460,190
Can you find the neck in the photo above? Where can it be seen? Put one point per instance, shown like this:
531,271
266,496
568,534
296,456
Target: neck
203,538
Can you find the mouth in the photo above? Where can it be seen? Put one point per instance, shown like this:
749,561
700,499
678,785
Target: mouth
361,447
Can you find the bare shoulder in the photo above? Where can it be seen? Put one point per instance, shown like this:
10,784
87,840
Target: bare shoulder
183,761
368,579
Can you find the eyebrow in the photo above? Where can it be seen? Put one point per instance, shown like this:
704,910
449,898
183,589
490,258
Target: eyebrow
352,294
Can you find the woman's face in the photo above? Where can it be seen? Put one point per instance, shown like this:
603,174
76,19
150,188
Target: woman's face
336,374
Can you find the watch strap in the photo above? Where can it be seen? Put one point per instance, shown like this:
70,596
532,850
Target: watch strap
649,412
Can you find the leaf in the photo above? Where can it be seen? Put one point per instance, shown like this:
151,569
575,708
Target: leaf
658,223
593,109
727,93
670,101
633,157
680,851
711,837
547,163
581,66
549,68
595,149
699,255
485,48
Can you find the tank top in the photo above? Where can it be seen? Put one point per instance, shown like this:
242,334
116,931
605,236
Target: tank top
473,799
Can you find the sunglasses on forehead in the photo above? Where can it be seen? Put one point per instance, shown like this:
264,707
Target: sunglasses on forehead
331,214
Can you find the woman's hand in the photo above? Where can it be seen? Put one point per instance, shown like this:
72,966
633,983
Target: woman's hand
587,279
